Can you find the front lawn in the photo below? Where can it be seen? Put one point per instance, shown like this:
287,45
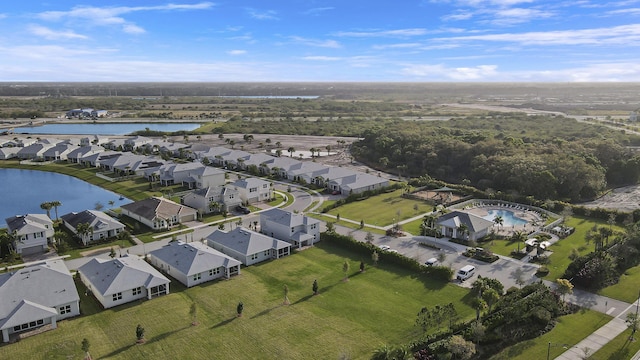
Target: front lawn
569,330
382,209
349,318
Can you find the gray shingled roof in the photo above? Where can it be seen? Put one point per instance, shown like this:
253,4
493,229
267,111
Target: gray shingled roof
193,258
474,223
97,219
245,241
45,285
288,218
111,276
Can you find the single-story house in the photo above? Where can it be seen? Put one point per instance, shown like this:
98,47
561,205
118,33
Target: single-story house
159,213
35,296
121,280
249,247
58,152
102,226
358,183
476,227
296,229
193,263
194,175
9,152
33,232
136,142
78,153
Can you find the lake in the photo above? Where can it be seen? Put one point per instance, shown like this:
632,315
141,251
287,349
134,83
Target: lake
23,191
104,128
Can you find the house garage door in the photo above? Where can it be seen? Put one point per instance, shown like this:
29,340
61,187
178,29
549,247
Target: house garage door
32,250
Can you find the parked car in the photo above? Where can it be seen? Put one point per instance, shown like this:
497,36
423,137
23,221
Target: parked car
431,262
466,272
243,209
385,247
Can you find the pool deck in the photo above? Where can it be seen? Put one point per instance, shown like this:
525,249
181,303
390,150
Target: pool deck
521,212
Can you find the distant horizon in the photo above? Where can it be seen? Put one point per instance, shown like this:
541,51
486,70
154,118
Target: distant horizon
504,41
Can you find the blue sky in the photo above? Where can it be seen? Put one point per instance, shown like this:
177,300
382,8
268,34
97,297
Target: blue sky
320,40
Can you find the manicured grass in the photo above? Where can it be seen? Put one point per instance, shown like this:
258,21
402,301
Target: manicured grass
412,227
347,224
627,288
620,348
569,330
381,210
277,199
354,317
561,250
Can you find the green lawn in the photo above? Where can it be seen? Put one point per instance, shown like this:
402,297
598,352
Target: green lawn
412,227
561,250
627,288
569,330
620,348
381,210
347,318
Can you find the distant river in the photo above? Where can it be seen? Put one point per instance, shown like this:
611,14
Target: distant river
104,128
23,191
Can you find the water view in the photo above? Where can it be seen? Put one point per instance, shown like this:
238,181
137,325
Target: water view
105,128
24,190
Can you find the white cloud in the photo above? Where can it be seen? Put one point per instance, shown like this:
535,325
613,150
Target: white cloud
321,58
264,14
106,16
3,16
54,35
314,42
439,71
518,15
237,52
620,35
384,33
629,11
398,46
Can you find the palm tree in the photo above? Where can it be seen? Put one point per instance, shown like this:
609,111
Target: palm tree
463,229
278,144
498,220
291,150
328,147
55,204
518,237
312,151
214,206
111,203
46,206
83,229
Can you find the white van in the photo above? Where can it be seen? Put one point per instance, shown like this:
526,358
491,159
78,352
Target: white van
466,272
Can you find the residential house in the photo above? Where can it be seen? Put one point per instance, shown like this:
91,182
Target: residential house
8,152
461,225
115,144
213,199
296,229
159,213
78,153
36,296
121,280
193,263
135,142
298,171
358,183
58,152
32,232
101,225
94,140
249,247
94,159
34,151
253,190
193,175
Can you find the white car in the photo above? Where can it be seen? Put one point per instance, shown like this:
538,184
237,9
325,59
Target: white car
431,262
385,247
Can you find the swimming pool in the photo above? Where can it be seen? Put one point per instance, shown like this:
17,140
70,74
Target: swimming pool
508,217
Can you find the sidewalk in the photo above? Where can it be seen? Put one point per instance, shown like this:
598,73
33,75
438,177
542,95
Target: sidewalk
602,336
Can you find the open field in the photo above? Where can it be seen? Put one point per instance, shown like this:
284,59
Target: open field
352,318
382,210
620,348
570,330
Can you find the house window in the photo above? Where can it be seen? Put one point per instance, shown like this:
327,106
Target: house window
266,253
292,230
215,271
253,190
264,186
197,277
254,256
65,309
137,291
117,296
313,226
